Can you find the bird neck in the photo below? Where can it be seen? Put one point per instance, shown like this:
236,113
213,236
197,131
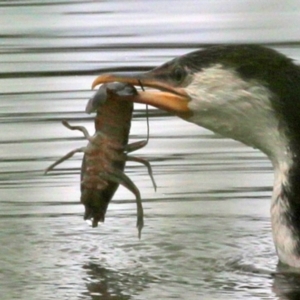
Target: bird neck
285,211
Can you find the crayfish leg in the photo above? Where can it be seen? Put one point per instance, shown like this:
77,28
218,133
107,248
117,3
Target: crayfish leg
146,164
135,146
65,157
79,128
121,178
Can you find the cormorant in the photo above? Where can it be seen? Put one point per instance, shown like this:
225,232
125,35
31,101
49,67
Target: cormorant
246,92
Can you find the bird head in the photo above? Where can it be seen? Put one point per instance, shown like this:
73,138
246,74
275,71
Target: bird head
238,91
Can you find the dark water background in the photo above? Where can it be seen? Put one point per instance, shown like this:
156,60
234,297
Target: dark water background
207,229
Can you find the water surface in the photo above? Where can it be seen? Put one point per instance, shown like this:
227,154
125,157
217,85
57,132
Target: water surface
207,229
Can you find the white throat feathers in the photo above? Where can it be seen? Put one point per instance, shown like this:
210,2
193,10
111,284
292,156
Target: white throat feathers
240,109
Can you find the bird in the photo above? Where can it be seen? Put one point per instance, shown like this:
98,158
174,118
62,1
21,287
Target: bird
247,92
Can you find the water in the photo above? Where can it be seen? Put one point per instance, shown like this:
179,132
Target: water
207,229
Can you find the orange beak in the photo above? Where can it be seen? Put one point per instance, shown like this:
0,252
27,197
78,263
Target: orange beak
172,99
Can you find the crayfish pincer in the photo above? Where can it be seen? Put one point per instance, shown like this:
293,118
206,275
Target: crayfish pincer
105,155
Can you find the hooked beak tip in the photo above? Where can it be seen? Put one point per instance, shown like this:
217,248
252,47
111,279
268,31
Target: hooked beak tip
100,79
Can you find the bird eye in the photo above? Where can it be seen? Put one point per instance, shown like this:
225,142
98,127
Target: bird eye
178,75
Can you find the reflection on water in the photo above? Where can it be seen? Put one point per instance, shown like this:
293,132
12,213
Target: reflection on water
103,283
207,229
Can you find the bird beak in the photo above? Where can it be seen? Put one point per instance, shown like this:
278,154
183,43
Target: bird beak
172,99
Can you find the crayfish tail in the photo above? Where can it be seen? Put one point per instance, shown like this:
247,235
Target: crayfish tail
95,207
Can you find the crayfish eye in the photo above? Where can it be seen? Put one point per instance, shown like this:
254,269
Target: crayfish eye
179,75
